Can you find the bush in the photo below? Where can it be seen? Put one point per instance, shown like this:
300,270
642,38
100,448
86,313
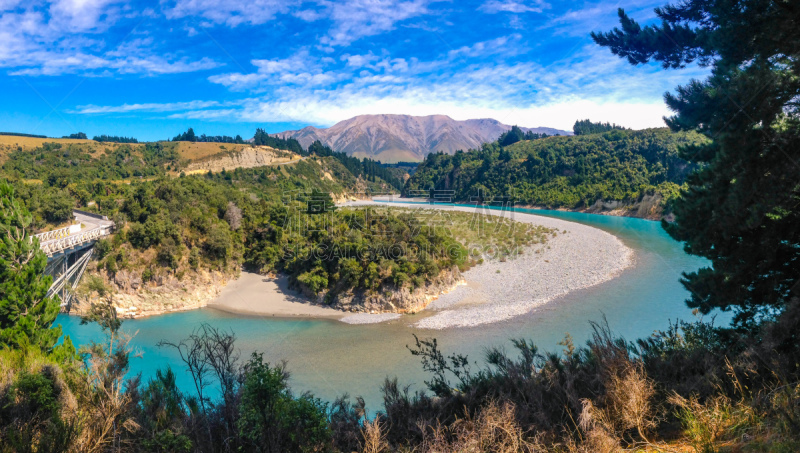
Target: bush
315,281
58,207
272,420
218,243
169,254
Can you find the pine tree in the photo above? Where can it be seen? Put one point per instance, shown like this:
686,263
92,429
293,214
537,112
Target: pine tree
742,208
510,137
26,315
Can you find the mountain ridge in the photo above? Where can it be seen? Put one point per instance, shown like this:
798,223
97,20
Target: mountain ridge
394,138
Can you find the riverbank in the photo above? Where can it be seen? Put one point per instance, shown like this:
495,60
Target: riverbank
576,257
257,295
649,208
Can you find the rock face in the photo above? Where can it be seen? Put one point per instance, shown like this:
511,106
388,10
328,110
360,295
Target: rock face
392,300
246,158
649,207
405,138
134,298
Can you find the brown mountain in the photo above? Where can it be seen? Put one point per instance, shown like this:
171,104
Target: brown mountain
406,138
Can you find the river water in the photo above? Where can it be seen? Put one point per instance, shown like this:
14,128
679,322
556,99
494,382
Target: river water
328,357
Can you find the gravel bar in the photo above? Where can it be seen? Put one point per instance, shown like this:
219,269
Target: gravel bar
584,256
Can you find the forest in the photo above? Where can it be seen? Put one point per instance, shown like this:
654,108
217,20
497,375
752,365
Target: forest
564,172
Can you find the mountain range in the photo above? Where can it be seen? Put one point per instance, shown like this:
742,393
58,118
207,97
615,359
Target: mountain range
406,138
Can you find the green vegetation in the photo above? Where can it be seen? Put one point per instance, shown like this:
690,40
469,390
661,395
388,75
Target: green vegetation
114,139
585,127
20,134
26,313
189,136
366,168
64,165
350,249
261,138
515,135
77,136
742,208
497,236
570,172
181,227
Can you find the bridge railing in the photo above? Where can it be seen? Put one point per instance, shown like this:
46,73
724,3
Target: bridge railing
54,234
57,245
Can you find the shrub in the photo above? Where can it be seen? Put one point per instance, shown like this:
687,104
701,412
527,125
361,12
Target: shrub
58,207
271,419
218,243
315,281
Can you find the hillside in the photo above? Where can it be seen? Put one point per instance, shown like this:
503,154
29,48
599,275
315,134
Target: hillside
180,235
240,157
398,138
9,143
627,172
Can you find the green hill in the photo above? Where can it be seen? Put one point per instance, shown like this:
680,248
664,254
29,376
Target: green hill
636,171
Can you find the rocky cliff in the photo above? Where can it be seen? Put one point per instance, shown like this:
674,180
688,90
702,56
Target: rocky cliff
246,158
134,298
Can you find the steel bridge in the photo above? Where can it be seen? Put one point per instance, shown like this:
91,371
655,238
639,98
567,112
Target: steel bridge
69,250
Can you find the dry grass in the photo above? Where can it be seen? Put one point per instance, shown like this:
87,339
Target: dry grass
627,407
9,143
715,422
201,150
495,429
374,437
498,236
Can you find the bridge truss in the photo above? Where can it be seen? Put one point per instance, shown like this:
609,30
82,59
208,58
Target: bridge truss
69,250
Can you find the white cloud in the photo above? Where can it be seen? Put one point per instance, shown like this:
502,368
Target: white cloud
560,114
231,12
69,39
150,107
504,44
350,20
355,19
298,69
591,84
514,6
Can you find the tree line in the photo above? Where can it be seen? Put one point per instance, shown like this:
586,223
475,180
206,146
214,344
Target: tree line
114,139
20,134
189,136
516,134
261,138
585,127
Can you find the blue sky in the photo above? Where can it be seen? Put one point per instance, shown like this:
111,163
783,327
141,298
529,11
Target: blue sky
151,69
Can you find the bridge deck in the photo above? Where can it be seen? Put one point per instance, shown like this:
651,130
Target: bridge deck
88,229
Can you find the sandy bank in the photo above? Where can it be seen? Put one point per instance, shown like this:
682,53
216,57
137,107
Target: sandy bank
254,294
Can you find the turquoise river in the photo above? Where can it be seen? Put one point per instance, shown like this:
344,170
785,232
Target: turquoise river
330,358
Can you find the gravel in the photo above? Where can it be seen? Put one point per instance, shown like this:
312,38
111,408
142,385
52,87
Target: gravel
582,257
369,318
